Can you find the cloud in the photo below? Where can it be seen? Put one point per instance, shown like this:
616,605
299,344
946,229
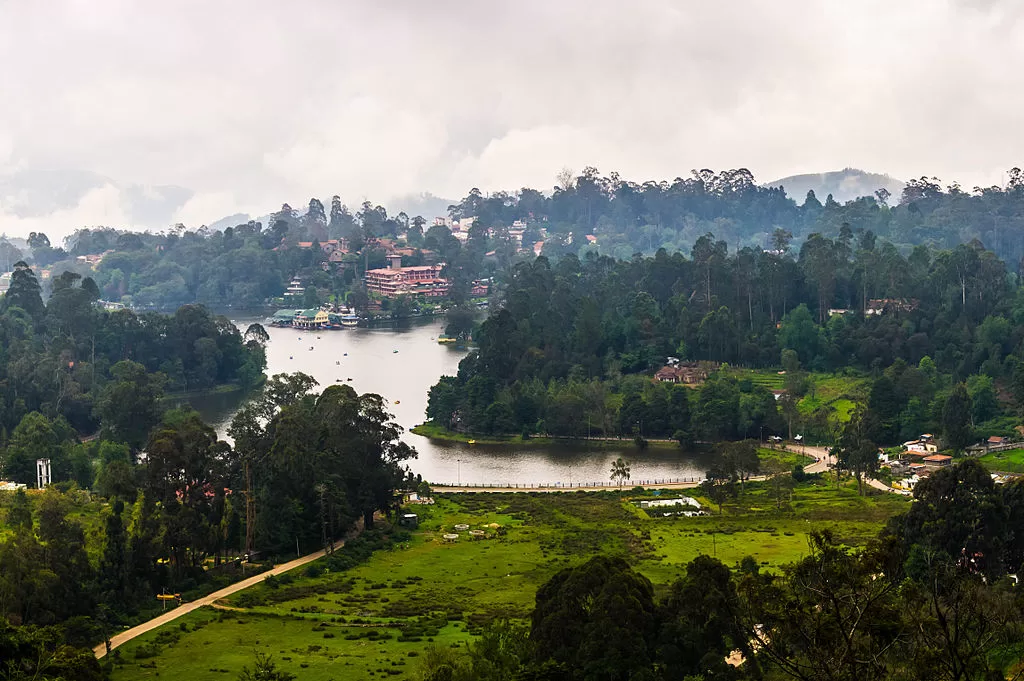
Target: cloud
99,206
251,104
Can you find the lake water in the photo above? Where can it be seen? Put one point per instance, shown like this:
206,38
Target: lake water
401,364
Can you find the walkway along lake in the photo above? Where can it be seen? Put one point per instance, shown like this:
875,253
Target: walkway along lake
368,358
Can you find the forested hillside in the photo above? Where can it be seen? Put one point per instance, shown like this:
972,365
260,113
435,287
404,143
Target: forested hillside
251,263
68,368
573,346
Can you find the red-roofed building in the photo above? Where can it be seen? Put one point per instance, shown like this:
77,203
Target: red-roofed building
395,280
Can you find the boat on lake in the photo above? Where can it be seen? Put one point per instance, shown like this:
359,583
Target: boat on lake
446,340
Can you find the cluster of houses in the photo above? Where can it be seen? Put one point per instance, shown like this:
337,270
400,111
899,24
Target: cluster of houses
920,457
394,280
917,459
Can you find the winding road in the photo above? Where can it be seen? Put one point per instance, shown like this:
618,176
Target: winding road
184,609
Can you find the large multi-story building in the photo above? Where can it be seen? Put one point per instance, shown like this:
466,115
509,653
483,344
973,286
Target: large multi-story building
395,280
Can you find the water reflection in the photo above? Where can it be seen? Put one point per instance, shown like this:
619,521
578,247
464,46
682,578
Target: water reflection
401,364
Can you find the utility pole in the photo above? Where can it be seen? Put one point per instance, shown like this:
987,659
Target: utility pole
322,489
250,512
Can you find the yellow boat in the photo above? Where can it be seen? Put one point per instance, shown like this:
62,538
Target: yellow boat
472,442
445,339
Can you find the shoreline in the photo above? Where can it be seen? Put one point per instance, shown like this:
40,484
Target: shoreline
219,389
436,433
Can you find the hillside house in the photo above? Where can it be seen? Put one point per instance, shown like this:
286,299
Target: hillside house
688,373
921,446
938,460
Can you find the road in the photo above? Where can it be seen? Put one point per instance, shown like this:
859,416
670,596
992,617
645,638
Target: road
186,608
629,484
824,459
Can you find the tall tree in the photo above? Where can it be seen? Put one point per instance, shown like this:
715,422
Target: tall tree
956,419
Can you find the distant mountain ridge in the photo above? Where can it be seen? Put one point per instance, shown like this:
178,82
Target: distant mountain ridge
844,185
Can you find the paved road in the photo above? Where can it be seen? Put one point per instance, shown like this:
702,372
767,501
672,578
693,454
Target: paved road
186,608
629,484
824,459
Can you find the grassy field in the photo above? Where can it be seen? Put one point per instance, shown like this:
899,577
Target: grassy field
837,394
374,619
1009,461
779,459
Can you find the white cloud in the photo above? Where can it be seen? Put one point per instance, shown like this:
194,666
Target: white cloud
97,207
250,104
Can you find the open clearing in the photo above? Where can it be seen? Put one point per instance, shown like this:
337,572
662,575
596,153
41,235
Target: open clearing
1009,461
374,619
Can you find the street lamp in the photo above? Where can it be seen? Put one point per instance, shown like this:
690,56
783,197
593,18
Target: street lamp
459,461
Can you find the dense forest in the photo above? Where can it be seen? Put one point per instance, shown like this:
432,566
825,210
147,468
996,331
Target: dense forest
80,367
572,346
929,598
145,498
314,464
252,263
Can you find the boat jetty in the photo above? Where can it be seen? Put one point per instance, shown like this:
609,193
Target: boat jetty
313,319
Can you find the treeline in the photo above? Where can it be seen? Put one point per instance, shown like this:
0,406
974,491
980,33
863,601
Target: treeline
562,349
77,367
314,465
249,264
630,217
929,598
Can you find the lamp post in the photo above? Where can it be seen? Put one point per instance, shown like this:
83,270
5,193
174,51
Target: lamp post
459,462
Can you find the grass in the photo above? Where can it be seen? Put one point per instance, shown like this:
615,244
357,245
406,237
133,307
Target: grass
839,395
372,620
779,459
836,393
1008,461
82,508
436,432
769,379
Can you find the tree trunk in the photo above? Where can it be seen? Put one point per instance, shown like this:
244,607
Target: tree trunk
368,519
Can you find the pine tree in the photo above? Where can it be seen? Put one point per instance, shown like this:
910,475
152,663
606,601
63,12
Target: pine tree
956,419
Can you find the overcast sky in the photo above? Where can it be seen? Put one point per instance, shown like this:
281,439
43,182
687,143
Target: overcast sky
250,103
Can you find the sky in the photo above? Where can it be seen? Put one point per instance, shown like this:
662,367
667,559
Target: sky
140,114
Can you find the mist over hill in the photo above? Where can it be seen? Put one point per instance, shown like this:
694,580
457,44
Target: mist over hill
61,200
844,185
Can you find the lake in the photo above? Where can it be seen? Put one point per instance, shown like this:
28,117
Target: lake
401,364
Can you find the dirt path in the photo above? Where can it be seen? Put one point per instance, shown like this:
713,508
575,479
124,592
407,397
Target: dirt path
186,608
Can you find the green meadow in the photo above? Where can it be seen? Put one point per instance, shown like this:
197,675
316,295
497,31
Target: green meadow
373,619
1009,461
